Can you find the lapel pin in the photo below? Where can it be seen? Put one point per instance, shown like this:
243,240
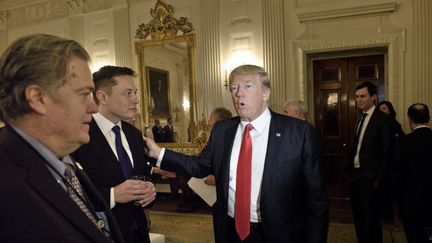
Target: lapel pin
79,166
278,134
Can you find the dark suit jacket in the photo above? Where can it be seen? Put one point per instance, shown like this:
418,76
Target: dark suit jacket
34,207
413,166
168,134
293,199
103,169
375,151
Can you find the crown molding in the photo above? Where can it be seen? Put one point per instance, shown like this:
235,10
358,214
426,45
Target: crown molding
346,12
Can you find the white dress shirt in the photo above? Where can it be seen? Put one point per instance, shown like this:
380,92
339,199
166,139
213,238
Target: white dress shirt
106,126
259,137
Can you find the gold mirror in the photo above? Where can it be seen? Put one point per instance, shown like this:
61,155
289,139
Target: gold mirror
167,74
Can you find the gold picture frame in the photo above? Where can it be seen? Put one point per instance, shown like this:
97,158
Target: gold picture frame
159,92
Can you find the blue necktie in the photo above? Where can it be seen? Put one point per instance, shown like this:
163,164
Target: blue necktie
123,157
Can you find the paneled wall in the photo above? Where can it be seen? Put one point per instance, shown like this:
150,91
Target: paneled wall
278,34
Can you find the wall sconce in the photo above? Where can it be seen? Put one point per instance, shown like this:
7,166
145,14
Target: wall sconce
186,104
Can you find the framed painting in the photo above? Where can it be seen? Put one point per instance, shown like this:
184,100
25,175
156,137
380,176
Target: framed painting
158,85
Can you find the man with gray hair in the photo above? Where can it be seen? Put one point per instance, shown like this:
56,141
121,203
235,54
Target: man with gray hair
295,108
46,103
267,167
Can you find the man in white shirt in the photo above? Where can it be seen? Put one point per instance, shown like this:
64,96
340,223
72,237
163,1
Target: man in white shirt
368,160
116,152
278,194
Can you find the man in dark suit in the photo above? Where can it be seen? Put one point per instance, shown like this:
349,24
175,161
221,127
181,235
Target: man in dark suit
369,154
168,131
268,182
46,103
116,152
157,131
413,167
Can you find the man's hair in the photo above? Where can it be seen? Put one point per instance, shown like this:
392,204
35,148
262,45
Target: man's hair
371,88
222,113
37,59
298,105
251,69
390,107
104,78
419,113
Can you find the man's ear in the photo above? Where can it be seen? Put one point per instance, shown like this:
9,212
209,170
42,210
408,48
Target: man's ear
266,94
102,97
37,98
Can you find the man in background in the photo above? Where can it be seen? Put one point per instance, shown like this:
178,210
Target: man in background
267,168
218,114
168,131
295,108
116,152
368,158
46,103
413,177
157,131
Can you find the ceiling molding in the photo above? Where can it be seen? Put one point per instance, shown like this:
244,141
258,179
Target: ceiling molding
346,12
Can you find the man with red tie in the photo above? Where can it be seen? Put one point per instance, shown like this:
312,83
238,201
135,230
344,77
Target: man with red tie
267,168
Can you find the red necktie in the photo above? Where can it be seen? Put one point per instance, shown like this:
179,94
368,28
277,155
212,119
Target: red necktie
243,185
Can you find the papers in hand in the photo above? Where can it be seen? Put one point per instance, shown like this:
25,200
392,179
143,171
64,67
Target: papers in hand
206,192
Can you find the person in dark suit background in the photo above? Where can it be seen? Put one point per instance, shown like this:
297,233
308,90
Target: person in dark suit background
368,157
104,158
288,199
388,205
218,114
413,176
46,103
295,108
168,131
157,131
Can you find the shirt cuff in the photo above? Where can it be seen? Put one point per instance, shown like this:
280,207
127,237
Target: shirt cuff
112,199
161,155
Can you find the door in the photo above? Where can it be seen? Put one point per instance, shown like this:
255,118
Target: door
336,112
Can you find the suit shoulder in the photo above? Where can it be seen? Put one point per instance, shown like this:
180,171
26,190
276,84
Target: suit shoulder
126,126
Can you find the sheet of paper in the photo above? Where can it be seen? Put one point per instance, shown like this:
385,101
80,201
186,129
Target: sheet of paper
206,192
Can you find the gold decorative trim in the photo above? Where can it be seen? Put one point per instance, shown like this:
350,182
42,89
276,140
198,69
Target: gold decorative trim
3,17
164,24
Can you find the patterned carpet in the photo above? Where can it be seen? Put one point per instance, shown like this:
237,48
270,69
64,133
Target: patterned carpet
198,228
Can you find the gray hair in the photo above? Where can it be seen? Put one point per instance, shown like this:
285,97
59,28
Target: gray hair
222,113
37,59
298,105
251,69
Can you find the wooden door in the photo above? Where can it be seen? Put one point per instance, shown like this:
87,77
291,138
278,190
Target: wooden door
336,112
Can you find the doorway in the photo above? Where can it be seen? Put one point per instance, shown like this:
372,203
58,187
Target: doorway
335,111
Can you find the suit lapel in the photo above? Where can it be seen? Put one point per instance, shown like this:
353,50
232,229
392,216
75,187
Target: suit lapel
43,182
89,187
370,126
138,161
276,133
99,145
230,133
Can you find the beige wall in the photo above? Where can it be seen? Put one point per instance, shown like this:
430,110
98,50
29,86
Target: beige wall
278,34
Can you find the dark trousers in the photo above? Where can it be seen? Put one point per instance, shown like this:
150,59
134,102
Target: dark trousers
365,208
256,233
414,223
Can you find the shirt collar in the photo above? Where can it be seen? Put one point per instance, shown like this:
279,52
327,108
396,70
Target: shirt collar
104,124
45,152
421,126
370,111
260,122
